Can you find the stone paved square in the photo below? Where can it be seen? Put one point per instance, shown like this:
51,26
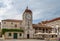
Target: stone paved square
22,40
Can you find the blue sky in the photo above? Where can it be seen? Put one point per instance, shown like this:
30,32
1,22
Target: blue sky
42,9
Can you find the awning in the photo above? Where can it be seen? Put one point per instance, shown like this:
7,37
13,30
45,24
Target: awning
53,34
41,33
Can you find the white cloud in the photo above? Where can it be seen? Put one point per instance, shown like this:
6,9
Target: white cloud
13,9
37,15
7,5
19,17
42,9
3,9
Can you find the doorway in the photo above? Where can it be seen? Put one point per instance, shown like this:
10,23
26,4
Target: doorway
15,36
27,36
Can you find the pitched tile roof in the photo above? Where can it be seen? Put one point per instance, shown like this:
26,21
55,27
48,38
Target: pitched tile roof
44,22
41,26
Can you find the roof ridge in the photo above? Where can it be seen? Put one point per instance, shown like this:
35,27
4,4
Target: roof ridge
48,21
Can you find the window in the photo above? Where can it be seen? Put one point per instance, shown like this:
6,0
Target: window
15,25
36,28
4,22
20,34
9,34
11,23
43,30
39,28
52,36
56,35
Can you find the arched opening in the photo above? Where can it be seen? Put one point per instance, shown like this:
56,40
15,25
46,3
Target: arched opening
27,36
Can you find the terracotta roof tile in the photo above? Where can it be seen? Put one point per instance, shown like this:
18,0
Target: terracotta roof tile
41,26
28,10
44,22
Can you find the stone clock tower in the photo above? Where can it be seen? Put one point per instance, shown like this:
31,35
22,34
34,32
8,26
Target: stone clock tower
27,23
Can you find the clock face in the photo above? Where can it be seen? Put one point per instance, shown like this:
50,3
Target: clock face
28,16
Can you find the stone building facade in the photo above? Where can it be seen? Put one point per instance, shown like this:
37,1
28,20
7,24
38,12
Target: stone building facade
55,25
40,30
25,24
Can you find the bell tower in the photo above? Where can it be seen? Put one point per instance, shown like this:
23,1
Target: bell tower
27,22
